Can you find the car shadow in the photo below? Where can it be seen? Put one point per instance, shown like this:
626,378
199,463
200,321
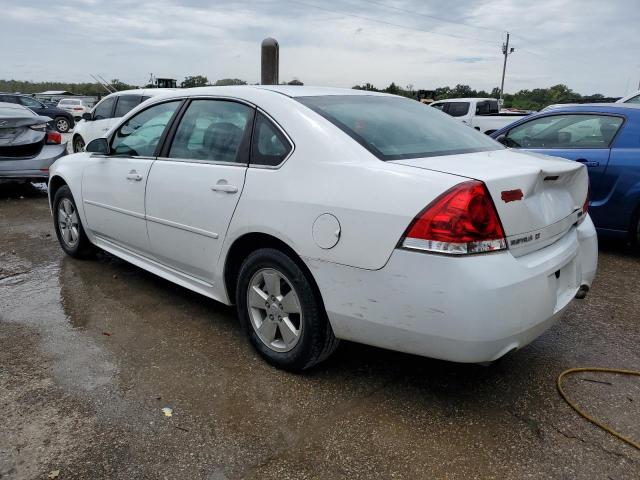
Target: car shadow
17,189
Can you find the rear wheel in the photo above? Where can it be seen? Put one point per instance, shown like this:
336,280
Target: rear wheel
78,144
62,124
68,225
281,313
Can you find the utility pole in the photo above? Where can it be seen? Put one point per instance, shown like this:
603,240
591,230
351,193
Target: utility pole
506,52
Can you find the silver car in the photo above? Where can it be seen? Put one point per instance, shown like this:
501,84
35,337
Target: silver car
28,146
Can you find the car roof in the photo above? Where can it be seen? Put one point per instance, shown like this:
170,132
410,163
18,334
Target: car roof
466,99
595,107
141,91
291,91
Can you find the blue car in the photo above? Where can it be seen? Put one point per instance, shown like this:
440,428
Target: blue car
605,138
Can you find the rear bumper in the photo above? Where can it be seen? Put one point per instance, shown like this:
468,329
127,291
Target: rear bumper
36,167
472,309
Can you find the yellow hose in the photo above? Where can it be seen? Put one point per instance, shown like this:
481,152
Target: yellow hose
603,426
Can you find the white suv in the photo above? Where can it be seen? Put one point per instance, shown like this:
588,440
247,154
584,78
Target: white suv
75,106
107,112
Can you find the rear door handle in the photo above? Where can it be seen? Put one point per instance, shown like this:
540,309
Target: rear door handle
133,175
588,163
223,187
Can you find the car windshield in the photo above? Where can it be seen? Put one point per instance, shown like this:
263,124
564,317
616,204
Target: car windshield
394,128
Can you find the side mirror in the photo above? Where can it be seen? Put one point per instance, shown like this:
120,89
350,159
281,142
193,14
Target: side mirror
99,145
87,116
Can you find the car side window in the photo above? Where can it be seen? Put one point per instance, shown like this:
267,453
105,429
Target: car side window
565,131
458,109
213,130
30,102
103,109
125,104
269,146
635,99
439,106
139,136
10,99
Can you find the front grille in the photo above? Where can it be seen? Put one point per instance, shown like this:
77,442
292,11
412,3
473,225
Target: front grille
21,151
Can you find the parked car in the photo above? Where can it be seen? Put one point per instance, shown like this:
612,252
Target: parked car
605,138
483,114
61,120
328,214
28,145
108,112
75,106
633,98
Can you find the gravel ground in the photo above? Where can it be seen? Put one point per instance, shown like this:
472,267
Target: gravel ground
91,351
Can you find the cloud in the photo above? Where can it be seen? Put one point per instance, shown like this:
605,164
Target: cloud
589,45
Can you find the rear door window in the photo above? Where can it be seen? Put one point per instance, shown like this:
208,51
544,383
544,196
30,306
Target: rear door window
458,109
30,102
104,109
125,104
214,130
269,145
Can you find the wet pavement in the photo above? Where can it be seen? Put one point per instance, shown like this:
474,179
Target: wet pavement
91,351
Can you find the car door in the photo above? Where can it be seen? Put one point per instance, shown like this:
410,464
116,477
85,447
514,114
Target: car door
194,186
584,138
101,120
113,185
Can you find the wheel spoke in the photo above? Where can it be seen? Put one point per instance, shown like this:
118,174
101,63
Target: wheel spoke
74,233
267,330
290,303
288,331
68,235
66,205
272,283
257,297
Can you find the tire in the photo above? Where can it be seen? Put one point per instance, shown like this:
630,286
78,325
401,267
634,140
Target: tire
259,314
78,144
74,244
62,124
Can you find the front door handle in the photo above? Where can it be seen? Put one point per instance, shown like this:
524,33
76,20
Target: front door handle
588,163
133,175
223,187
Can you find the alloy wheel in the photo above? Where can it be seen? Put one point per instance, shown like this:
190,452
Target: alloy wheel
62,125
68,223
274,310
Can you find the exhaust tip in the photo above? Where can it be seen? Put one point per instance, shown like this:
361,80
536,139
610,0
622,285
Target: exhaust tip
582,292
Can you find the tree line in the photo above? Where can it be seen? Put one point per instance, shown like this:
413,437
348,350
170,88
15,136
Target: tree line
535,99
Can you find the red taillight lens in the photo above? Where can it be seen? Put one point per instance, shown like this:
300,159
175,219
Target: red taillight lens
460,221
585,206
54,138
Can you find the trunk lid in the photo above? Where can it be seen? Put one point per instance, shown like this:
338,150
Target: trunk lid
17,139
553,191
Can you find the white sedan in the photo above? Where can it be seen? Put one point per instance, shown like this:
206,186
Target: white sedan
328,214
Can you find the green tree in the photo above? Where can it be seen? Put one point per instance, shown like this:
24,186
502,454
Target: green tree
194,81
229,81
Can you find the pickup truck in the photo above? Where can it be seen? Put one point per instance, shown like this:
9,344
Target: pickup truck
483,114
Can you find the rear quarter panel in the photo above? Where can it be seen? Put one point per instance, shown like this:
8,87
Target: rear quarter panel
374,201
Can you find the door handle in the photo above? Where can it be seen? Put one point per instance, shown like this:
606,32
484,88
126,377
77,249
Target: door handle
223,187
588,163
133,175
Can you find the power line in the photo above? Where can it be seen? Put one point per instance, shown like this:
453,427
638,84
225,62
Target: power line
385,22
440,19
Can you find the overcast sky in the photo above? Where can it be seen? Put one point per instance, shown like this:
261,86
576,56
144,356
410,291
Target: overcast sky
590,45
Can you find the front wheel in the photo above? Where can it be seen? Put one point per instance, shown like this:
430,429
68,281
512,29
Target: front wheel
62,124
68,225
281,312
78,144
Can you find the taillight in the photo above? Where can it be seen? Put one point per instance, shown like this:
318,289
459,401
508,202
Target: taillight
54,138
462,220
585,205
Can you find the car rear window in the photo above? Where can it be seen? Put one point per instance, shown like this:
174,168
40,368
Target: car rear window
394,128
